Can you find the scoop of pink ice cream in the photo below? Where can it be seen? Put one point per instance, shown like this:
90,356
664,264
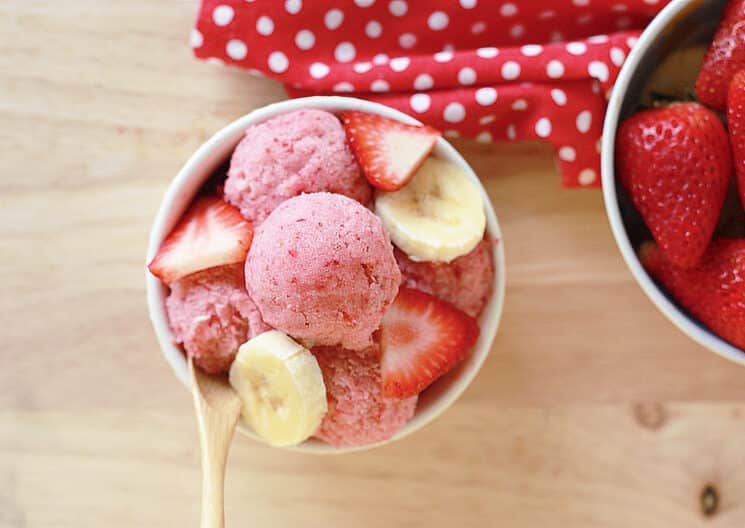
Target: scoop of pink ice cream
358,413
321,269
300,152
466,282
211,315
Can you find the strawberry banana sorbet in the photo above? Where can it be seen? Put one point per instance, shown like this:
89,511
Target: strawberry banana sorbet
291,282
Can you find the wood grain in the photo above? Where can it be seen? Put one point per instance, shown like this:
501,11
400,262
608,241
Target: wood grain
592,410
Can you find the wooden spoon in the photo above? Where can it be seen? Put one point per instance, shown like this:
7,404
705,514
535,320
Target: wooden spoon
217,407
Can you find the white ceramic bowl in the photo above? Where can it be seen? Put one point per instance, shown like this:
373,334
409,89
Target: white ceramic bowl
682,23
215,151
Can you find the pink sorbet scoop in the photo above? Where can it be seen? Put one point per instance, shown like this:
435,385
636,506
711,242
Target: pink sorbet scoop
321,269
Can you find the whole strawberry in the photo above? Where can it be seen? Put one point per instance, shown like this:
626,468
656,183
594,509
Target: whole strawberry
675,163
713,291
736,126
725,57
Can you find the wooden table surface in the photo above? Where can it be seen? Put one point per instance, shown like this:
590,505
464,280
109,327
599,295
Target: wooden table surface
592,411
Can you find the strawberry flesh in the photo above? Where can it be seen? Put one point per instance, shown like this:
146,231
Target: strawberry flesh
421,339
675,163
725,57
211,233
713,291
389,152
736,127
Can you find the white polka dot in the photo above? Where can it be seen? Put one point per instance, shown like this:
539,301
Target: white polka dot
617,56
423,81
364,3
467,76
510,70
547,14
345,52
362,67
584,121
373,29
486,96
318,70
293,6
478,27
511,132
454,113
223,15
543,127
398,8
624,22
343,87
584,19
333,18
399,64
555,69
587,177
557,36
508,10
278,62
407,40
420,102
651,2
531,50
379,85
438,21
577,48
487,119
487,53
581,3
448,47
305,39
380,58
520,104
598,70
196,39
517,31
631,41
236,49
567,154
619,8
598,39
264,26
450,133
468,4
443,56
484,137
559,96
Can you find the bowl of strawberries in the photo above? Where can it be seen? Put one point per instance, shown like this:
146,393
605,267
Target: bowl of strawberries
673,169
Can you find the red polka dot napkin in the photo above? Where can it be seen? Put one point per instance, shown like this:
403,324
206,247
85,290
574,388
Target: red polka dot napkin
488,69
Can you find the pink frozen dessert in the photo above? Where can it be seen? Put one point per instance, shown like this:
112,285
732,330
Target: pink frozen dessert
211,315
466,282
358,413
321,269
299,152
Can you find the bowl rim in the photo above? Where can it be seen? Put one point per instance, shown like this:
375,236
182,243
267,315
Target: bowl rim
193,173
672,311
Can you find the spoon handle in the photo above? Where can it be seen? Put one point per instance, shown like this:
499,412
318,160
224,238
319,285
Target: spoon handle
215,433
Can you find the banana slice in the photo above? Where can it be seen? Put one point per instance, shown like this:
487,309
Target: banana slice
437,217
281,386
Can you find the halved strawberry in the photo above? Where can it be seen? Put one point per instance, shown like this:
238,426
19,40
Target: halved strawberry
421,338
211,233
389,152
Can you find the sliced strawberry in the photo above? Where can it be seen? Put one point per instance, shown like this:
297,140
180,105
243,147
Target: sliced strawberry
211,233
421,338
389,152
